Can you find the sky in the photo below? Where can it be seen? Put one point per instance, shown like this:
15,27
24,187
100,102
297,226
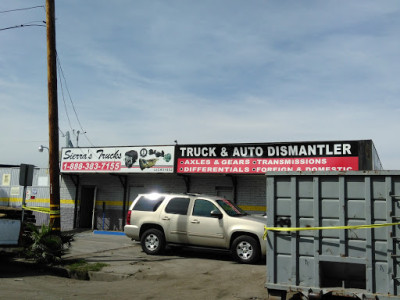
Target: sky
149,72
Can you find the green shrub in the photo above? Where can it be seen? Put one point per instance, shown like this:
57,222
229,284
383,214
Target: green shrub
44,245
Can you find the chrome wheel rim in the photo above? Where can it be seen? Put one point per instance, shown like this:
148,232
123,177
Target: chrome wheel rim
152,242
244,250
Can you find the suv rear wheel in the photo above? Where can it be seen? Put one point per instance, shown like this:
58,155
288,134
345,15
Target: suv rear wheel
153,241
245,249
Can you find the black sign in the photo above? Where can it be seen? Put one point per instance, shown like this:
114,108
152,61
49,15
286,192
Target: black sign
26,175
277,150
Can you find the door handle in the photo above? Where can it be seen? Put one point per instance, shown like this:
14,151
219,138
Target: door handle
166,218
195,221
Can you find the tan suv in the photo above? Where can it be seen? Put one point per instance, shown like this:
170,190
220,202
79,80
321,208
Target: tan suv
197,220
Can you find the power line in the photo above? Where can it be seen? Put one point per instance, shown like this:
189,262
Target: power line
63,98
72,103
19,9
30,24
62,133
39,21
22,25
26,24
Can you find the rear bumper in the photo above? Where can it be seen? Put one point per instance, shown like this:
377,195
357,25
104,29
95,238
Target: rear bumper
132,231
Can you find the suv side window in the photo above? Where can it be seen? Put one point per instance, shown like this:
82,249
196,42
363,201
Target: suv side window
148,204
203,208
177,206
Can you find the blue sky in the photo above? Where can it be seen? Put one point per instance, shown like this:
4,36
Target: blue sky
227,71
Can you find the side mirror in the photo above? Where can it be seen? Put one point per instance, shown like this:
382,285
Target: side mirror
216,214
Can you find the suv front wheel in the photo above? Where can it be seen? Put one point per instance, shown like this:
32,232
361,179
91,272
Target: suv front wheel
245,249
153,241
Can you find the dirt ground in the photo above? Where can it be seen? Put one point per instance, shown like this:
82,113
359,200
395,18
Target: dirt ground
179,274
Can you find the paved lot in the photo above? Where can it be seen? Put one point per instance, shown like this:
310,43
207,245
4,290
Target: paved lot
132,274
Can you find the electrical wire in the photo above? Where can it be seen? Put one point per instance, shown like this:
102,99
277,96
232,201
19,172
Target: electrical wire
31,24
63,98
72,103
62,133
19,9
26,24
61,78
21,26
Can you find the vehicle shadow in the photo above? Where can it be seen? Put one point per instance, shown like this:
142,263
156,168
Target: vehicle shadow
203,253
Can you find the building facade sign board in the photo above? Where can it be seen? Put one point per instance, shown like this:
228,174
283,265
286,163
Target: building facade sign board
138,159
272,157
240,159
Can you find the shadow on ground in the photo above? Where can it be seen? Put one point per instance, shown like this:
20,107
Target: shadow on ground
13,267
203,253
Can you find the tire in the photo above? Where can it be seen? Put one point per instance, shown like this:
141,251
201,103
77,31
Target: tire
153,241
245,249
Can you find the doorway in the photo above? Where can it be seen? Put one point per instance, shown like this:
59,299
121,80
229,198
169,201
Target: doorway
87,207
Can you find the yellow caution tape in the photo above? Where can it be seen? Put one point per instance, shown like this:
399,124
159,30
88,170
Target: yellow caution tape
45,210
266,229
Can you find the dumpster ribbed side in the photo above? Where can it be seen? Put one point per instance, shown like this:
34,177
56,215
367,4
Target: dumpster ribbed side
339,260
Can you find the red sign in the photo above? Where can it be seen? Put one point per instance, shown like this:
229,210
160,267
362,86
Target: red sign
264,165
91,166
268,157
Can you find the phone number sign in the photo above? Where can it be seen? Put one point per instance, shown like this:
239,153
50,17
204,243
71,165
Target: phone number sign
91,166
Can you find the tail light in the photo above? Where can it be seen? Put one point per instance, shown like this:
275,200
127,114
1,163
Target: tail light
128,217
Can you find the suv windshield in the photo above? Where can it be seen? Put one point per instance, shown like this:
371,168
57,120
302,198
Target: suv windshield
230,208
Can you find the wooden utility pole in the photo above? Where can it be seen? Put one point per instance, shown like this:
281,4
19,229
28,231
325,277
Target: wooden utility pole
53,117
